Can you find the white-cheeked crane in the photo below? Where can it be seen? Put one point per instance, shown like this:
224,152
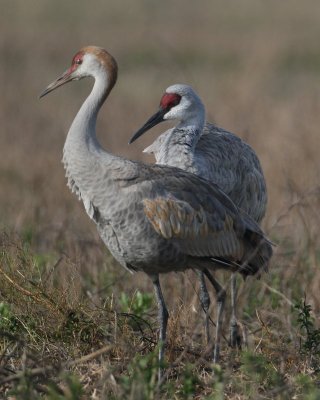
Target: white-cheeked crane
214,154
153,218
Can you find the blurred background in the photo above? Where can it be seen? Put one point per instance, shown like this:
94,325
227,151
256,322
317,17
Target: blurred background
254,63
256,67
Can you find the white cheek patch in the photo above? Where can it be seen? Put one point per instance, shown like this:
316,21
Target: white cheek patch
172,114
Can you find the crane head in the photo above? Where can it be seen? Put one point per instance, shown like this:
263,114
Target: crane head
179,102
89,61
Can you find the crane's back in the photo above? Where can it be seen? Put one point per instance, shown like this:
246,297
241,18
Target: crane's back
223,158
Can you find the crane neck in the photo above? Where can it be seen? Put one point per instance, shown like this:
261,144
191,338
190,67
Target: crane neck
82,152
179,144
192,120
83,127
190,128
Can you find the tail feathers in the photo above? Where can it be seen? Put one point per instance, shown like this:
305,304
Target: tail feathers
257,248
255,261
234,266
257,255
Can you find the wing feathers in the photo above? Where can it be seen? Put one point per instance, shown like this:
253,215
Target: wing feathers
176,218
209,227
198,232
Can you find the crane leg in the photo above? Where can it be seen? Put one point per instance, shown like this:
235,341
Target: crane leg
205,303
163,316
235,338
221,298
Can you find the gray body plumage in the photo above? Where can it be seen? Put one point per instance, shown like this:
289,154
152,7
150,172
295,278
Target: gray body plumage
156,218
113,192
218,156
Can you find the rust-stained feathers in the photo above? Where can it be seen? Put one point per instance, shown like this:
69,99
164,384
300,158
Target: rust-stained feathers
107,60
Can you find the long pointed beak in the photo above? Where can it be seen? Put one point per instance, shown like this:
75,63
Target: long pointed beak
64,78
154,120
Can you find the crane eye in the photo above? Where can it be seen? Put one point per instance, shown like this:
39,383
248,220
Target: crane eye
78,61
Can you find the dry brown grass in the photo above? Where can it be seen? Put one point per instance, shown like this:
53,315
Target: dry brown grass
257,67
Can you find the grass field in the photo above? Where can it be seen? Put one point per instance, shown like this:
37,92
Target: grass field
73,323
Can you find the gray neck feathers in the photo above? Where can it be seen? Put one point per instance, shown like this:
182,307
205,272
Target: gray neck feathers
178,147
82,133
82,150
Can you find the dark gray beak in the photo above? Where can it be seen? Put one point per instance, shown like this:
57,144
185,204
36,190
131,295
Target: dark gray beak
64,78
153,121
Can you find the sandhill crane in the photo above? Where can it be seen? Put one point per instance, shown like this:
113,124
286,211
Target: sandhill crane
212,153
153,218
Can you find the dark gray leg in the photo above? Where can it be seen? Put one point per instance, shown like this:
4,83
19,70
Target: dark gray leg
163,316
235,338
205,303
221,297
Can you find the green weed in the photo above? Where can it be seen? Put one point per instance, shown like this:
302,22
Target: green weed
141,380
139,304
307,389
310,344
259,373
190,380
29,389
8,321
